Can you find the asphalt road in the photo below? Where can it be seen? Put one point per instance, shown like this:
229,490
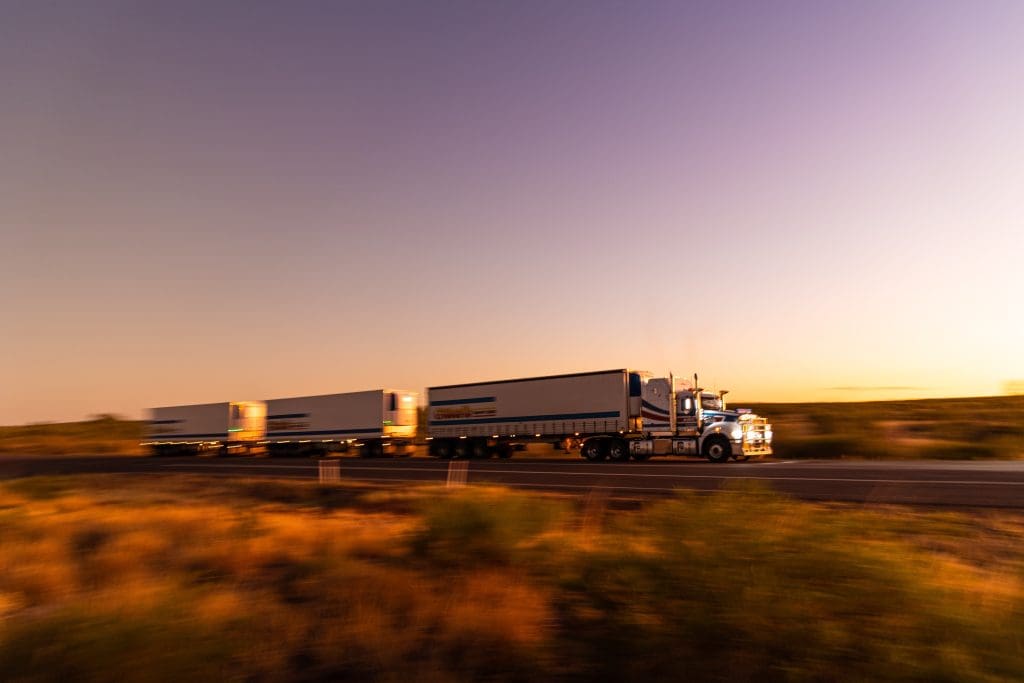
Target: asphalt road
931,483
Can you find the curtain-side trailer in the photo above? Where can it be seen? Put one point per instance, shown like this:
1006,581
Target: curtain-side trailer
375,422
206,428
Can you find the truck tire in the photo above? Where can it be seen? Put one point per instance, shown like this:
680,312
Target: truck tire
441,448
594,450
462,449
618,450
716,448
478,449
503,450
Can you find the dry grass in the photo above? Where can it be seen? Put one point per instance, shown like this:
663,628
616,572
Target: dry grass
165,578
950,428
104,435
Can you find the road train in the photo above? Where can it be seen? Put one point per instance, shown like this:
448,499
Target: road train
611,414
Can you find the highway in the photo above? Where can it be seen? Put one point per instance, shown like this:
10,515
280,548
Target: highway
997,484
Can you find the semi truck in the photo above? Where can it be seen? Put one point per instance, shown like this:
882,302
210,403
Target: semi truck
613,414
376,422
212,428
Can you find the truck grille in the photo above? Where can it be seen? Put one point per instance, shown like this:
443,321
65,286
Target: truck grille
757,437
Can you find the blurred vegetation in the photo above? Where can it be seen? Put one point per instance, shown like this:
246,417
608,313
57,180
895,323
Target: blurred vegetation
102,435
948,428
106,578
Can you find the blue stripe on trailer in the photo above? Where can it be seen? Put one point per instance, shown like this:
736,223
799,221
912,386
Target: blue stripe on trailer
460,401
527,418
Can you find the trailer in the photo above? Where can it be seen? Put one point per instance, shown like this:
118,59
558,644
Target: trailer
374,422
613,414
211,428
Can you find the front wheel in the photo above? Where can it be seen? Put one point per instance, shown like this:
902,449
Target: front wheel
717,449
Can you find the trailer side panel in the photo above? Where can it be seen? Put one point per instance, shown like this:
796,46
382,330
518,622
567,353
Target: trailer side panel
586,403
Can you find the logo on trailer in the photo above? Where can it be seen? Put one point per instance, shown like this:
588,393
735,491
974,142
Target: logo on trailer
463,412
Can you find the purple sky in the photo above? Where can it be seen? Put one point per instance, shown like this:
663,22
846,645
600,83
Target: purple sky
799,200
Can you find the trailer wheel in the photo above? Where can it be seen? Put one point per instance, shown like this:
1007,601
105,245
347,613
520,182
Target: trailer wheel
717,449
503,451
462,449
618,450
593,450
478,449
441,448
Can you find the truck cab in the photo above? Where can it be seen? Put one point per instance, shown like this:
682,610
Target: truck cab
701,425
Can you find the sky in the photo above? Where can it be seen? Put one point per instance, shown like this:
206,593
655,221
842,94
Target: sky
800,201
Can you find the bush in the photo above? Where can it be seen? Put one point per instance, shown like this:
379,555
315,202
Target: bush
83,644
478,527
738,587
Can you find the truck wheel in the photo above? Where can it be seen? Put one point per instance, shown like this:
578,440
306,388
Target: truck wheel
717,449
462,449
503,451
441,448
593,450
618,450
478,449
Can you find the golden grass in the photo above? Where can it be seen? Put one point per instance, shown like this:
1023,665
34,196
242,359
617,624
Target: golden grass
170,577
104,435
950,428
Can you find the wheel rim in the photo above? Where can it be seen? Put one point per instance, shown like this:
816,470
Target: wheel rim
717,450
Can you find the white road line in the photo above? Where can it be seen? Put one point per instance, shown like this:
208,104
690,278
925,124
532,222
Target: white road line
618,474
206,465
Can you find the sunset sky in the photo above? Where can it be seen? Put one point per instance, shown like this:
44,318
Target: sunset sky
205,201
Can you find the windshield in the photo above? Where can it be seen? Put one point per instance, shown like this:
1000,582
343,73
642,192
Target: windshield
710,402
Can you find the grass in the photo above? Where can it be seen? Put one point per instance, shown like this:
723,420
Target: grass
951,428
103,435
111,577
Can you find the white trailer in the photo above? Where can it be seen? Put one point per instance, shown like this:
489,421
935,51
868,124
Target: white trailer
206,428
377,422
614,414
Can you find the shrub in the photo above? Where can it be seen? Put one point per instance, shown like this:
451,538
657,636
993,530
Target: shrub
473,526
